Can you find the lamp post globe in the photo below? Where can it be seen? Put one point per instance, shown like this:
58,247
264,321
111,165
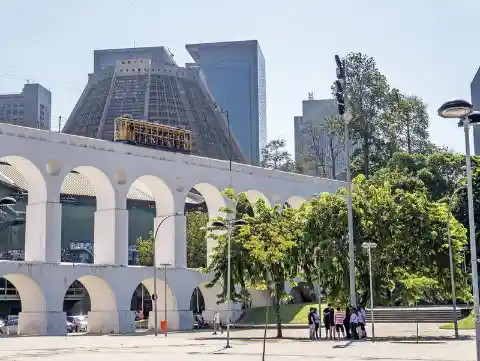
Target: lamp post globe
7,201
457,108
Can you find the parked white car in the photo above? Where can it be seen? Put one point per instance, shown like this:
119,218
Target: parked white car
10,327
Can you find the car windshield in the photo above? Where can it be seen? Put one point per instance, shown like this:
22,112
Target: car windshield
80,318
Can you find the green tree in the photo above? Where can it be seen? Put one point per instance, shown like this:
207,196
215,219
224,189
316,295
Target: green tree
241,264
196,239
366,91
145,250
275,156
271,238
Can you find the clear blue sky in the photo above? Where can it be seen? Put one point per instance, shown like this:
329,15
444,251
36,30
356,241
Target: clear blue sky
429,48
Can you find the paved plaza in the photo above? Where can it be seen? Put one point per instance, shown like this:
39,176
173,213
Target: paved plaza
200,346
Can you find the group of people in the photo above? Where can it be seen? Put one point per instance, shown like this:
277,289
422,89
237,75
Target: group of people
349,323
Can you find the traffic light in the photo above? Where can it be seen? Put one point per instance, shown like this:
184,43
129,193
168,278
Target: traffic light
339,93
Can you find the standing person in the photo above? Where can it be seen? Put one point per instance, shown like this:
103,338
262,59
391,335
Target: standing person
354,323
311,324
332,320
327,322
216,323
339,318
316,319
362,322
346,322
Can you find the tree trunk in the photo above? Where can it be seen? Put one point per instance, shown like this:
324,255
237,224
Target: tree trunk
366,158
409,140
333,159
277,311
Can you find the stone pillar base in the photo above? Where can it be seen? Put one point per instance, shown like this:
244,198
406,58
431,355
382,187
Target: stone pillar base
176,320
42,323
106,322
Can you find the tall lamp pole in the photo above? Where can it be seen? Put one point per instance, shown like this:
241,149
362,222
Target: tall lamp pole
165,265
229,224
463,110
369,246
155,296
450,258
347,117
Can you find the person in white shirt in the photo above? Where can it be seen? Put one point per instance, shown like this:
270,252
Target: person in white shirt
361,322
354,324
216,323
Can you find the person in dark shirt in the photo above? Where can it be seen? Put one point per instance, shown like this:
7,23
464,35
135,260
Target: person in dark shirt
327,321
346,323
311,323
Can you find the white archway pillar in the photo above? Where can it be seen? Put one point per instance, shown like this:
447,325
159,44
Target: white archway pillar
43,232
170,242
111,237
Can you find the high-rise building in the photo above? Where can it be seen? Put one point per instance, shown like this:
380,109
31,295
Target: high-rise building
235,73
30,108
317,151
147,84
475,91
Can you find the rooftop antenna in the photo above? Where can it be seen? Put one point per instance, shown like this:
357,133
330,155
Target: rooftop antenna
310,96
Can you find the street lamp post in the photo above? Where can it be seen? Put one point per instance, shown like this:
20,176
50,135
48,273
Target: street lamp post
463,110
229,225
369,246
317,264
450,256
155,296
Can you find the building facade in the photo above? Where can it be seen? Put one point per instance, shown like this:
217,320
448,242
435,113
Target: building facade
475,92
235,74
317,151
30,108
147,84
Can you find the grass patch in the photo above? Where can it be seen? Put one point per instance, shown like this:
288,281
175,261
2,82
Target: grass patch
294,313
467,323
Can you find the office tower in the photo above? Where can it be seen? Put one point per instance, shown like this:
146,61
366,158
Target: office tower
147,84
318,152
475,92
235,73
30,108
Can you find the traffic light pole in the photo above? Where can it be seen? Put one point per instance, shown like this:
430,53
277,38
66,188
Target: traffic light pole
346,116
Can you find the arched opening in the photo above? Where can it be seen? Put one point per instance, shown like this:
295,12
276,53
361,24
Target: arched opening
253,196
150,200
210,303
302,293
295,202
23,181
166,304
90,305
203,203
87,196
141,304
24,305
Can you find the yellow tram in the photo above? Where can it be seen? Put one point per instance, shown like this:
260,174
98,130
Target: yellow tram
149,134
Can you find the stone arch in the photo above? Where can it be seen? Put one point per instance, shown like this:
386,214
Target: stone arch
253,196
32,298
102,316
36,184
210,297
295,201
103,187
164,225
40,229
173,319
214,201
106,224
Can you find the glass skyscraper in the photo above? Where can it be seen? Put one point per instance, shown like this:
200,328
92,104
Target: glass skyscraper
235,74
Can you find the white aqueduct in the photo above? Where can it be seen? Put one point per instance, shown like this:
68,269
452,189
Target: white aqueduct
45,159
